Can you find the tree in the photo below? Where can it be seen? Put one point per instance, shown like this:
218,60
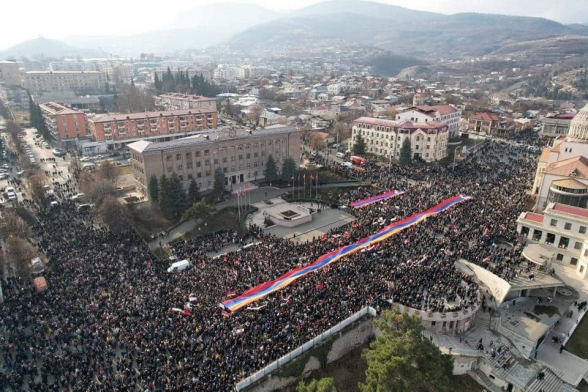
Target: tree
95,189
392,112
164,197
114,215
157,84
75,167
343,130
13,225
132,99
153,188
323,385
255,112
38,194
219,184
289,169
317,142
14,130
193,192
107,171
405,152
200,210
450,156
178,199
402,359
359,145
20,254
271,170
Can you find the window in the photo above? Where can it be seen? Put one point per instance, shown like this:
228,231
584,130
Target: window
559,257
564,242
553,222
197,154
168,158
178,157
537,234
568,226
578,245
216,161
255,154
224,159
248,155
181,177
582,230
188,155
198,163
189,165
573,261
179,167
198,175
190,176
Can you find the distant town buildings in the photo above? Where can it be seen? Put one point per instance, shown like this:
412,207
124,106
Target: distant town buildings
241,154
110,127
176,101
67,126
445,114
80,82
10,74
428,140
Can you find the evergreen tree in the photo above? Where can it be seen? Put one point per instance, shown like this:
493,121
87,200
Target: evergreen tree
153,189
271,170
132,83
199,210
193,193
289,169
403,359
323,385
157,84
164,197
33,113
359,145
179,203
219,184
405,152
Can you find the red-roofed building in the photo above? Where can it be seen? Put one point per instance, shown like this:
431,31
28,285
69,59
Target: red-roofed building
489,123
66,125
428,140
445,114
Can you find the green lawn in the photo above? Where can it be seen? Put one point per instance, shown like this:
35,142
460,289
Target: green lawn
578,343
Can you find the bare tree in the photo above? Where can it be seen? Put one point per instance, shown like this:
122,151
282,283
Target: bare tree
36,186
13,225
114,215
75,167
98,190
132,99
317,142
14,130
107,171
20,254
342,129
255,112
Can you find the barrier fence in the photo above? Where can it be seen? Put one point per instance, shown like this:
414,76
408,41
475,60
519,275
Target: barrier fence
246,382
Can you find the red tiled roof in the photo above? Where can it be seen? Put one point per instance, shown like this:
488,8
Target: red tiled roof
571,210
531,216
483,116
577,165
442,109
145,115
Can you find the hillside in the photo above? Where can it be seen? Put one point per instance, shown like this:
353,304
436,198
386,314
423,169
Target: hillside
404,31
45,47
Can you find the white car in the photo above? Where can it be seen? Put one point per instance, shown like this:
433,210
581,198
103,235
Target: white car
3,176
77,197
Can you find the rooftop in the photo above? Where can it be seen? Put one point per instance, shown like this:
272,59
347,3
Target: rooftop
569,210
400,124
572,167
482,116
147,115
56,108
63,72
209,136
186,97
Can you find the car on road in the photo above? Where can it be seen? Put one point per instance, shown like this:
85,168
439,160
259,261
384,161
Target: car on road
86,159
3,176
77,197
57,152
340,155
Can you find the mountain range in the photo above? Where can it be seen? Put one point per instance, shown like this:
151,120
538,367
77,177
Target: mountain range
248,28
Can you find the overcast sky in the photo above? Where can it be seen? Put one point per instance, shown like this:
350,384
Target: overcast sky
26,19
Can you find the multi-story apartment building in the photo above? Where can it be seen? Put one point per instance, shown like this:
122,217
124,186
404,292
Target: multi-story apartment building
562,232
445,114
67,126
241,154
111,127
10,74
488,123
557,125
73,66
80,82
176,101
428,140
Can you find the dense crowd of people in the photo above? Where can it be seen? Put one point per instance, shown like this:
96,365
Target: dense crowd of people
113,319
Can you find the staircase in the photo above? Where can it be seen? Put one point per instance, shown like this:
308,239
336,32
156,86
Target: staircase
483,380
551,383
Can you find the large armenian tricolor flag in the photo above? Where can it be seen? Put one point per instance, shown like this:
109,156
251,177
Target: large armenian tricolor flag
374,199
266,288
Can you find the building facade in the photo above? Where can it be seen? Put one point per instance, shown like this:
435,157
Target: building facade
428,141
445,114
562,230
111,127
67,126
558,125
10,74
80,82
240,154
177,101
488,123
